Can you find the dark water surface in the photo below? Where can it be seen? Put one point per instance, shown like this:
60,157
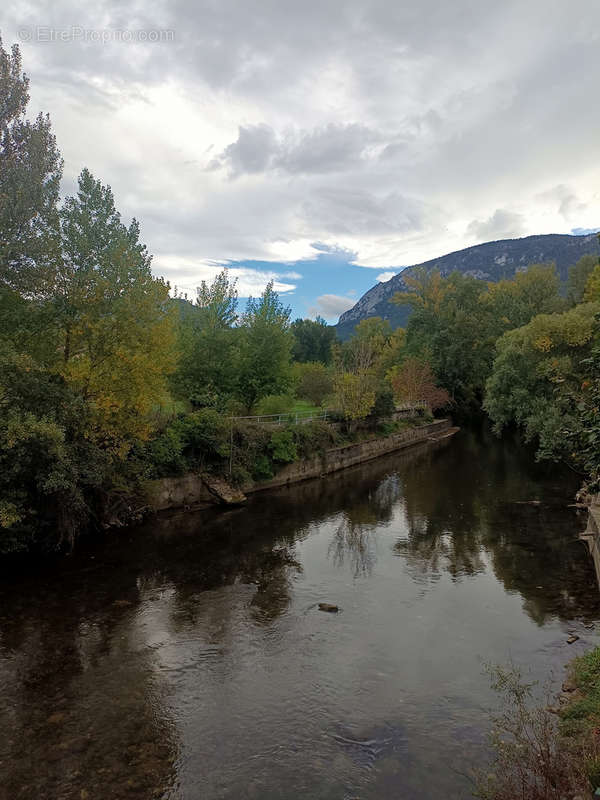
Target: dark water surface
188,658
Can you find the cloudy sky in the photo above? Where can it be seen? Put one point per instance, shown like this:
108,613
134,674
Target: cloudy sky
322,143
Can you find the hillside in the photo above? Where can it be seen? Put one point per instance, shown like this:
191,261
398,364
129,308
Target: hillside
491,261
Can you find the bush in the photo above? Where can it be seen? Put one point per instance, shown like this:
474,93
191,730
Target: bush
283,447
531,758
195,441
314,437
274,404
314,382
202,440
384,404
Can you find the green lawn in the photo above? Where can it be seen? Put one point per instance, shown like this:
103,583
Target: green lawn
304,406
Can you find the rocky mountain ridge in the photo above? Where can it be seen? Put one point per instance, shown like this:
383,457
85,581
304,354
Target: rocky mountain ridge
492,261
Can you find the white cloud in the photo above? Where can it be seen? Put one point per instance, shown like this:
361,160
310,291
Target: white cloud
395,140
186,275
503,224
330,306
385,276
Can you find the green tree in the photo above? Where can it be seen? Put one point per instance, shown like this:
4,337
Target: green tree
314,383
513,303
49,468
30,173
592,287
265,348
312,340
115,328
578,278
456,321
449,329
209,343
354,394
537,378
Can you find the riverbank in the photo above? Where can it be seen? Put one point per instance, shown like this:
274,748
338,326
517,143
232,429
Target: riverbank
550,750
193,490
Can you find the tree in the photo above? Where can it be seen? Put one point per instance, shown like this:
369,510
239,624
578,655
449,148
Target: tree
354,394
578,278
315,383
537,377
449,329
414,383
456,321
312,340
114,323
30,173
369,355
48,465
513,303
265,348
208,343
366,346
592,287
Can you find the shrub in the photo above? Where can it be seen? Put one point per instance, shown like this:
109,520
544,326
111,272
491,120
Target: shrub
314,437
531,759
314,382
194,441
384,404
262,468
275,404
283,447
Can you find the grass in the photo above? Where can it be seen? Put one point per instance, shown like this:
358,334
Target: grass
581,716
305,406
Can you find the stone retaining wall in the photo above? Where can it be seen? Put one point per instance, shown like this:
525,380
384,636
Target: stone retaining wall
346,456
190,489
591,535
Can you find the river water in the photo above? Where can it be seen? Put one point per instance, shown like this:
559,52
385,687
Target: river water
188,659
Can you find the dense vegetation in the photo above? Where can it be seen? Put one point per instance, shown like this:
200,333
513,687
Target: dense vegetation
522,350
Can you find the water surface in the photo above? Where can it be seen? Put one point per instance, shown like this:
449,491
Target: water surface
188,659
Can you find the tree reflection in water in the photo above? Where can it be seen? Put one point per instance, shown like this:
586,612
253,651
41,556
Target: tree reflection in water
498,510
97,652
355,536
81,708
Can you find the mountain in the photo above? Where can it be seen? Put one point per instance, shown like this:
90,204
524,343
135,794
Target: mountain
491,261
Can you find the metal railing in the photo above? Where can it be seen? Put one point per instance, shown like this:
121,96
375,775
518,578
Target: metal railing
299,417
411,406
289,418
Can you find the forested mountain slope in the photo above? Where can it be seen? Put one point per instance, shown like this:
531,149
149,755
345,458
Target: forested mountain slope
491,261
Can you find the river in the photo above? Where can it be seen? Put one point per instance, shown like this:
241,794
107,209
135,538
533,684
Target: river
187,658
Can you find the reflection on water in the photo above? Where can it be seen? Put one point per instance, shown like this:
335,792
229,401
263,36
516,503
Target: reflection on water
188,658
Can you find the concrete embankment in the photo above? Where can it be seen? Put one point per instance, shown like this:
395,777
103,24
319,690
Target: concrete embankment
194,489
591,535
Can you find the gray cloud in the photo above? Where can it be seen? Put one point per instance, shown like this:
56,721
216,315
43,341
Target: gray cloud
357,124
253,150
502,224
569,206
330,306
328,149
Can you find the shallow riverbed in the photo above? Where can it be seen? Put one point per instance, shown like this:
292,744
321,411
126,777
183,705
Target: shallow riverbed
188,658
